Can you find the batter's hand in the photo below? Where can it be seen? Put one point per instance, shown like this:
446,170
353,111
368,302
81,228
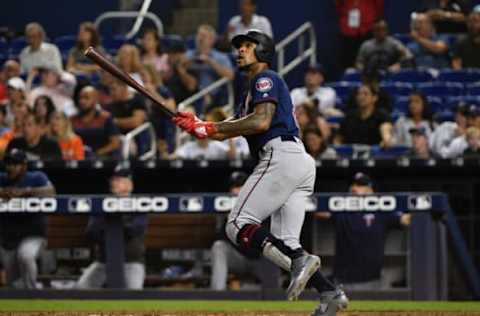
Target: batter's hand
194,126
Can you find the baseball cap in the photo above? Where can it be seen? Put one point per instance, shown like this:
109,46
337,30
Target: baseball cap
237,179
15,157
361,178
417,130
473,111
122,171
315,69
17,83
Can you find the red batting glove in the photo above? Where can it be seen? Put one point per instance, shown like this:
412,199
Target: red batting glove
203,129
185,120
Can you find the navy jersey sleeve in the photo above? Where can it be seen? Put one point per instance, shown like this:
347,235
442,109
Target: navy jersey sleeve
265,88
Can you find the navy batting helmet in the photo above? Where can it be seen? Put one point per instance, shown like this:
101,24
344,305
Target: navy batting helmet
265,49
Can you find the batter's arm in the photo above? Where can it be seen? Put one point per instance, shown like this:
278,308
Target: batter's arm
257,122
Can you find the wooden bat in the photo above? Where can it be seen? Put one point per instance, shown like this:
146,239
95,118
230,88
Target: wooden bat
108,66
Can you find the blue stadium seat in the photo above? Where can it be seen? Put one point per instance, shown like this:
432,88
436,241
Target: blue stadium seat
441,89
473,89
16,46
436,103
397,88
65,42
462,76
113,43
405,38
3,46
169,40
335,120
343,88
352,76
444,116
190,41
344,150
401,104
391,152
411,75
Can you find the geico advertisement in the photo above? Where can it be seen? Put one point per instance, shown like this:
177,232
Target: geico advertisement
362,203
30,205
135,204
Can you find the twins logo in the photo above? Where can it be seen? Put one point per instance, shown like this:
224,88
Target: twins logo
264,84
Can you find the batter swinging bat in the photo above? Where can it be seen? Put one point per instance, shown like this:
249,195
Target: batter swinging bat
108,66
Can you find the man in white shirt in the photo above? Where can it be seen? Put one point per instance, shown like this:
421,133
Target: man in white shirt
247,20
39,54
313,92
443,136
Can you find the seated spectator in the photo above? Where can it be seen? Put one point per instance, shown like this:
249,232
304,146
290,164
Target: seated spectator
22,236
449,16
16,105
152,53
103,88
316,145
77,62
429,49
70,143
306,114
58,86
473,141
420,148
163,125
323,98
128,59
418,116
209,65
459,144
360,240
446,132
36,144
95,126
180,78
128,110
204,149
39,54
43,107
134,230
5,132
467,50
247,20
10,69
367,124
382,52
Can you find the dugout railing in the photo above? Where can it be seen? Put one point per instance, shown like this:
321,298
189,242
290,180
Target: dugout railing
427,264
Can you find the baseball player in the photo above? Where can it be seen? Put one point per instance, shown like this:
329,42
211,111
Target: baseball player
283,177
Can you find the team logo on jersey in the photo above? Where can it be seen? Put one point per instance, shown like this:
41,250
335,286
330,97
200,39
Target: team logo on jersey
264,84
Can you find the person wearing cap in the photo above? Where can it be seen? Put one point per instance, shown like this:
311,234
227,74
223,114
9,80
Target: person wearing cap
179,79
134,229
38,53
467,49
447,131
420,147
459,144
209,65
22,235
314,94
10,69
360,240
16,98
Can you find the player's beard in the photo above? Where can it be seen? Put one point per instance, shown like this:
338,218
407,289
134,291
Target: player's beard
246,68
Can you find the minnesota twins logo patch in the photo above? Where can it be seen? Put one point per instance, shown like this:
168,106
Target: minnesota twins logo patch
264,84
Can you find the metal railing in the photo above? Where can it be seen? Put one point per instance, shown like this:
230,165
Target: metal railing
130,136
139,15
200,94
303,54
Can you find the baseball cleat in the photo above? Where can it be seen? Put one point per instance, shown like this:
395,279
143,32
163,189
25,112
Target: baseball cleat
301,271
331,302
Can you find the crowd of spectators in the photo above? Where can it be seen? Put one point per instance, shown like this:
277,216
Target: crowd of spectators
56,100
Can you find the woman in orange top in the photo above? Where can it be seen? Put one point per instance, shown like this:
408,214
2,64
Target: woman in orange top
70,143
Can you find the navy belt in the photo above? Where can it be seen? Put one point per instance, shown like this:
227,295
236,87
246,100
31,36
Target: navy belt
288,138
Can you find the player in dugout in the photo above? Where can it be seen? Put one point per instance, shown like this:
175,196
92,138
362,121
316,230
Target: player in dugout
22,235
283,178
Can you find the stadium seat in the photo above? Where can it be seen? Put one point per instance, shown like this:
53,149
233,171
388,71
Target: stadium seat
411,75
397,88
352,76
401,104
391,152
405,38
460,76
436,103
343,88
344,150
113,43
441,89
3,46
335,120
190,41
16,46
473,89
65,42
444,116
169,40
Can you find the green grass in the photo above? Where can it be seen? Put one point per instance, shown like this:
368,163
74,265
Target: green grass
224,306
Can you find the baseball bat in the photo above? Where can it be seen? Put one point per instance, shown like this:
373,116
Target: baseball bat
110,67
